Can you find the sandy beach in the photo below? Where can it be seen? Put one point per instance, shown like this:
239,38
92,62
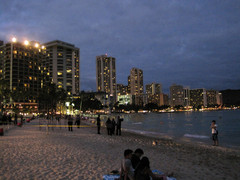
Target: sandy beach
29,152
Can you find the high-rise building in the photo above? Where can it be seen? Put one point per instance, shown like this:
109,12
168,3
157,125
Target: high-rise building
136,81
106,75
21,67
198,98
186,96
213,97
63,65
176,95
153,88
122,90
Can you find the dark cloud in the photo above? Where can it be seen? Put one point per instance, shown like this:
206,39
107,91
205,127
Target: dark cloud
193,43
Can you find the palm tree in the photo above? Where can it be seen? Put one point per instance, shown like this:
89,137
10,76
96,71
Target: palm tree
50,96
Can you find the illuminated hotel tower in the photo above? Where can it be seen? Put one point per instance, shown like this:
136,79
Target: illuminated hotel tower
21,67
135,81
63,65
106,75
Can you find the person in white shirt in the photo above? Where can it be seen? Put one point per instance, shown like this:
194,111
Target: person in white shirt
127,171
214,133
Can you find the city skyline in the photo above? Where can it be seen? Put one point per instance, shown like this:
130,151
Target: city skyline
194,44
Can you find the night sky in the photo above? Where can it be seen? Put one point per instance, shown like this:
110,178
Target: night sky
194,43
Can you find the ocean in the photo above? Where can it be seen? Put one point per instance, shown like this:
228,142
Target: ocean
187,126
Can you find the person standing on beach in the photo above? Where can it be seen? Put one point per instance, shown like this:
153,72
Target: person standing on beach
109,126
70,123
77,122
98,124
113,126
214,133
119,124
127,171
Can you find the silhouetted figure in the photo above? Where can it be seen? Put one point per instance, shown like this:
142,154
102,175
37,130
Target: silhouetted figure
77,122
98,123
113,126
119,124
109,126
144,172
70,123
15,119
136,157
9,119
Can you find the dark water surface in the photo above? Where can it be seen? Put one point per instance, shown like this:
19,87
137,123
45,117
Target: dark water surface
188,126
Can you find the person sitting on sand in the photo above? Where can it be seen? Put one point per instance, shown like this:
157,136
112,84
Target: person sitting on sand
127,171
136,157
143,171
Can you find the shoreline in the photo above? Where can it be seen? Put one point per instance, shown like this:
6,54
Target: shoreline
32,153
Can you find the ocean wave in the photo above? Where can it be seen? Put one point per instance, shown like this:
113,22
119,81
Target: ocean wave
137,123
196,136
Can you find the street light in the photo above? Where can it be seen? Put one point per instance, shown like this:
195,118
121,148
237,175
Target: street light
26,42
14,40
36,45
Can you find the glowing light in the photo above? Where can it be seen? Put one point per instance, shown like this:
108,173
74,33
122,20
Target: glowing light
36,45
43,47
26,42
14,39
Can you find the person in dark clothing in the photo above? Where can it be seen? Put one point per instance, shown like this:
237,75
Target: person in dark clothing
98,123
109,126
143,171
70,123
9,119
113,126
119,124
136,157
15,119
77,122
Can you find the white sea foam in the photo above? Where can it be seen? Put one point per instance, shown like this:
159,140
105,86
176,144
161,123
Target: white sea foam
137,123
196,136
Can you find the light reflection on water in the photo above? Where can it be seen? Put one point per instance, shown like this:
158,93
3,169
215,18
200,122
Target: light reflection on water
195,125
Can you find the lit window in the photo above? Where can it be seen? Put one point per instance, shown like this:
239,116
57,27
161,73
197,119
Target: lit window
69,70
59,86
30,77
59,73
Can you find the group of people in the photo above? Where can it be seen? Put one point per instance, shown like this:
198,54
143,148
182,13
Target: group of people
133,167
70,122
7,119
112,126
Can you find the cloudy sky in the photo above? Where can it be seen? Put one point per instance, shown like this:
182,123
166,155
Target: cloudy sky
193,43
